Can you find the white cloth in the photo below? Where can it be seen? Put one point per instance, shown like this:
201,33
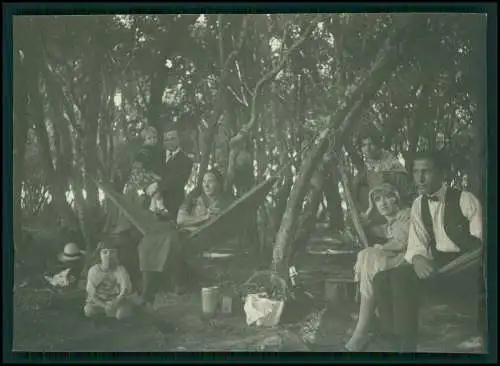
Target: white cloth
61,279
262,311
156,205
171,154
418,240
152,188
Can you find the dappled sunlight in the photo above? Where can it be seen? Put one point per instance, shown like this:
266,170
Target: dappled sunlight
347,99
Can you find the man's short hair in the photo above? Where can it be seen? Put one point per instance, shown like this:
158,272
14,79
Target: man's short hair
372,134
171,129
432,155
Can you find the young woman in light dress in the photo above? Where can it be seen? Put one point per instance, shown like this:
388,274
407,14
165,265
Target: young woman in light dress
383,199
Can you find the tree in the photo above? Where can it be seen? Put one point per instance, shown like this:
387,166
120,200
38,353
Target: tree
251,93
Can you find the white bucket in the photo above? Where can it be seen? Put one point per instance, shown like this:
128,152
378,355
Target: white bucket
210,297
263,311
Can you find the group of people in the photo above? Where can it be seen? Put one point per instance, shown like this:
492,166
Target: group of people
409,243
412,243
130,270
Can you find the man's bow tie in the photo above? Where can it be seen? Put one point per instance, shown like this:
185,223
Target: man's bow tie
432,198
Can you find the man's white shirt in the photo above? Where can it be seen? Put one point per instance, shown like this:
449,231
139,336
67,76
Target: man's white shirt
171,154
419,238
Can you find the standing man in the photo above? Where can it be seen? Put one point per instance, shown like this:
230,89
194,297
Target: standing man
444,224
175,173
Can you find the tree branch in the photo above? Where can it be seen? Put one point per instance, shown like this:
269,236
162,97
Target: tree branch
232,55
218,108
266,78
221,39
283,39
52,79
242,83
387,59
243,102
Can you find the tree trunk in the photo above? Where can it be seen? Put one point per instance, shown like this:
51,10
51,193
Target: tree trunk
64,145
309,217
356,159
333,199
413,127
20,132
382,68
158,79
219,98
56,185
90,113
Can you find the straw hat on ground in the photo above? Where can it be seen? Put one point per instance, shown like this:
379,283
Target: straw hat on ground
71,253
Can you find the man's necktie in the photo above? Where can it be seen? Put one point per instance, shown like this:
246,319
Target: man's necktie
427,220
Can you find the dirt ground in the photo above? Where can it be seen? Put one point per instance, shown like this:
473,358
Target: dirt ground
43,324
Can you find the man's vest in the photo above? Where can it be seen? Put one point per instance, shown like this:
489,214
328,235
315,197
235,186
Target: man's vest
456,225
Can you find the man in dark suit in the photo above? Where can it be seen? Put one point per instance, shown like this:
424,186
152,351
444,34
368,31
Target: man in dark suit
175,173
174,170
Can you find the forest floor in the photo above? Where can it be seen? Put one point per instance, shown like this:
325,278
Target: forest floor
40,325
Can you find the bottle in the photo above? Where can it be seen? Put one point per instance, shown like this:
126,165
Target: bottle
293,275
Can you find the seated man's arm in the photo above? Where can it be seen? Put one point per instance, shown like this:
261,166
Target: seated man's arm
471,208
418,252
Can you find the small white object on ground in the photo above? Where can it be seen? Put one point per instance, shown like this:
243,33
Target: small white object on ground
59,280
262,311
471,343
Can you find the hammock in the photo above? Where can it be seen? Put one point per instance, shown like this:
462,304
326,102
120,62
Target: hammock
463,262
142,219
353,211
230,220
226,224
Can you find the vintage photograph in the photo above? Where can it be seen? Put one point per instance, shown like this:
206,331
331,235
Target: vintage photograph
278,182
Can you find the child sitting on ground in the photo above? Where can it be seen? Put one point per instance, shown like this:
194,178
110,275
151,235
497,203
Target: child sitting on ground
109,288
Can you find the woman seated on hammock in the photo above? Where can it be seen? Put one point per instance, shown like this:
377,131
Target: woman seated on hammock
199,208
380,257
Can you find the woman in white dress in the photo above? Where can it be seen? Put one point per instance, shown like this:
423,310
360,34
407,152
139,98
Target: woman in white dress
380,257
